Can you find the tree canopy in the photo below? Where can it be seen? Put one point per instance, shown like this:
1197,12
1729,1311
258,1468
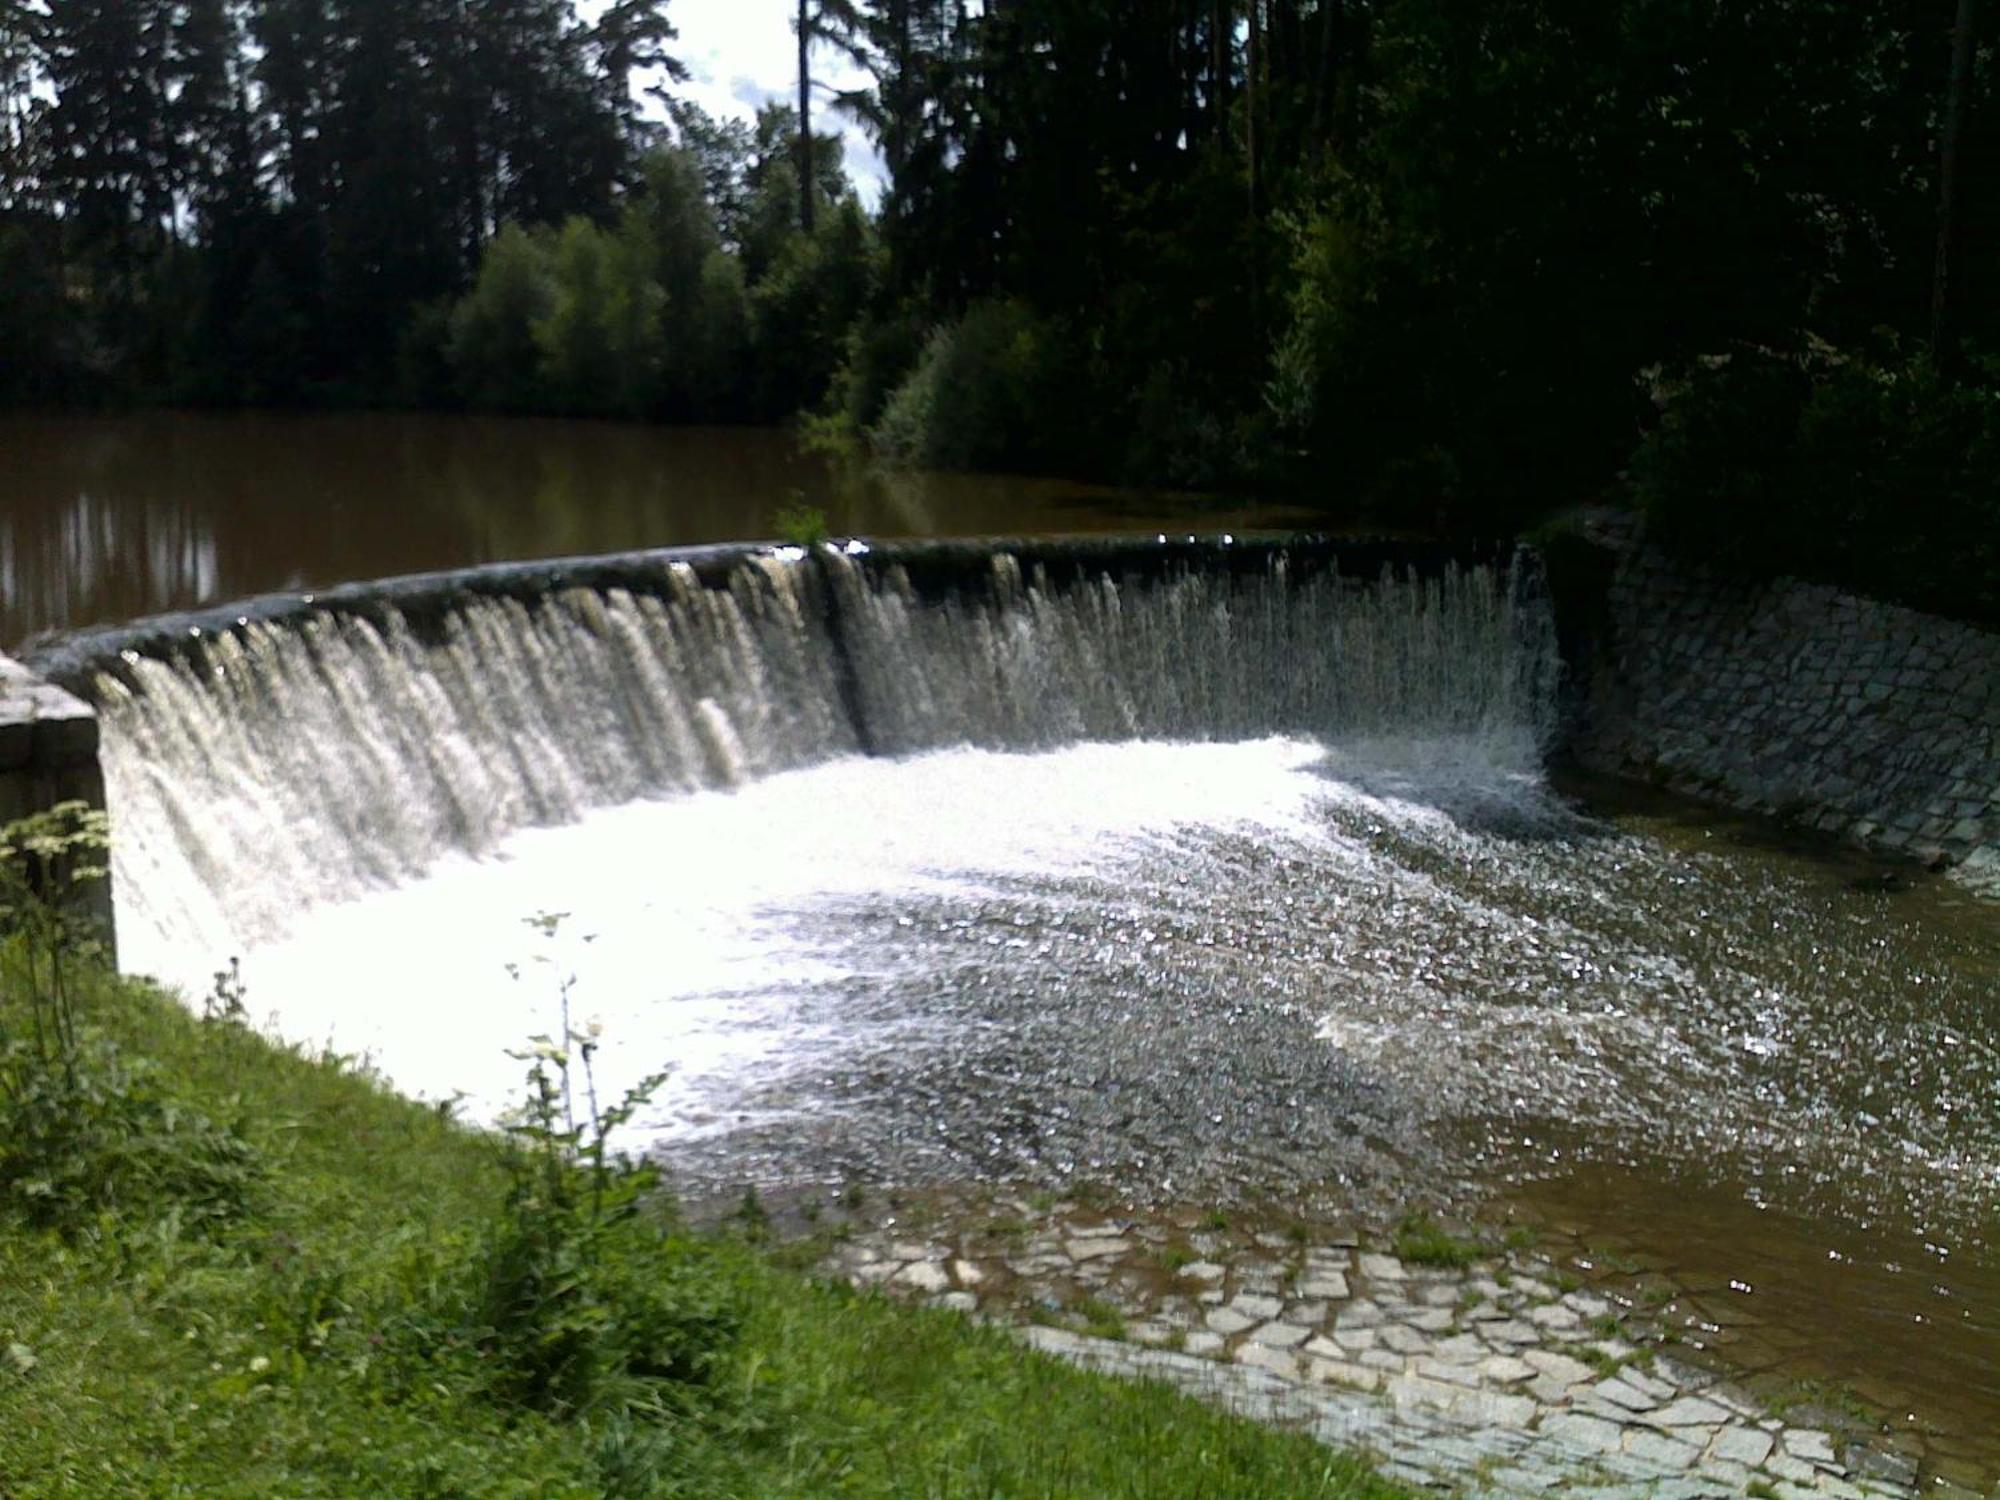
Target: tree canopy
1467,255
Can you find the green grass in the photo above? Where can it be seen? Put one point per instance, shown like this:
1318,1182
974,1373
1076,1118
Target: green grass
1600,1360
1422,1242
289,1354
1822,1399
1100,1319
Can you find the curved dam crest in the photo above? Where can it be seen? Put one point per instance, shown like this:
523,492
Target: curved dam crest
295,751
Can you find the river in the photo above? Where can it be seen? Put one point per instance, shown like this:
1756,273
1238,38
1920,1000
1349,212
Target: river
114,517
1213,891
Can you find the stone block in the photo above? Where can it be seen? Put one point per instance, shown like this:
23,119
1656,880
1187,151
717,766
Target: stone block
1582,1434
1280,1335
1743,1445
1263,1357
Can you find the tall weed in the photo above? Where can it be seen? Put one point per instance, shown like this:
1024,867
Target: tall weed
88,1135
585,1299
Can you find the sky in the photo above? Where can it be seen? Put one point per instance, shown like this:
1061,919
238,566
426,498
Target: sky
741,54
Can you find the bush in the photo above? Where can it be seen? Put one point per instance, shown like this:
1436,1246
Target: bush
492,348
1188,438
600,340
1001,388
708,353
1879,476
881,352
87,1133
37,324
802,308
424,375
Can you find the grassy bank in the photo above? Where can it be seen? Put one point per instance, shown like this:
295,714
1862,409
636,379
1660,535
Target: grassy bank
283,1283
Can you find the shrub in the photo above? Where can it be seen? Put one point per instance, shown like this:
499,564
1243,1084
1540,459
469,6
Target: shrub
1186,436
881,352
1716,471
87,1133
1878,476
803,306
492,347
1000,388
38,326
423,357
599,341
801,525
708,351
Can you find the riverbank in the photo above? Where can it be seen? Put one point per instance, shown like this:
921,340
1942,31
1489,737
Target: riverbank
1468,1360
283,1338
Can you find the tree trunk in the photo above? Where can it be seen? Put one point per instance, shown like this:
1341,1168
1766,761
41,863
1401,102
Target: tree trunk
1946,295
1221,22
1252,97
805,119
1329,22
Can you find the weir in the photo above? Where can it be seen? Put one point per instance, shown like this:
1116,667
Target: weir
1226,872
290,751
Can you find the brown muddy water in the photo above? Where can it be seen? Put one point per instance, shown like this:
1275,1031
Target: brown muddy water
1861,1298
107,518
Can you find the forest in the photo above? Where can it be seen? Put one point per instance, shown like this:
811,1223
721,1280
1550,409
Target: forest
1448,262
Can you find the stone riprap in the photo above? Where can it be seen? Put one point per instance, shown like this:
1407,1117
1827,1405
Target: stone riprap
1501,1378
1876,724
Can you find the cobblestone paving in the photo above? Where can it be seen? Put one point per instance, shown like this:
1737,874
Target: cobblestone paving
1501,1377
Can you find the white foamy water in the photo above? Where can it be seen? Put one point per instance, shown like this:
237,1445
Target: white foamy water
695,927
367,816
1199,876
283,767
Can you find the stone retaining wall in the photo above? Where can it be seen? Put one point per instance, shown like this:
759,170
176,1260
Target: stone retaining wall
1876,724
48,753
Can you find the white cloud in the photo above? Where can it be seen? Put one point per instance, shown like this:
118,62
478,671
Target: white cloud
741,54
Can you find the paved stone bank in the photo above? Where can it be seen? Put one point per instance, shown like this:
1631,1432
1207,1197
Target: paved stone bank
1503,1377
1876,724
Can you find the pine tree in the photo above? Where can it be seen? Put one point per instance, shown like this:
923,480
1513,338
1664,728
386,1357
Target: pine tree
22,163
109,165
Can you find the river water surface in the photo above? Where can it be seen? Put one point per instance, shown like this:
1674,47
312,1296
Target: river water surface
107,518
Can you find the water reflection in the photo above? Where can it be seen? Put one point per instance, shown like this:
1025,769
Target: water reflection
107,518
1891,1313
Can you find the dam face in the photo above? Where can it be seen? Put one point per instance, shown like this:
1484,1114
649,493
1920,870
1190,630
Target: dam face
291,754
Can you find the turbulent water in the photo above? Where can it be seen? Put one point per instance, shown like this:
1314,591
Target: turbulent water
1205,887
1254,876
284,766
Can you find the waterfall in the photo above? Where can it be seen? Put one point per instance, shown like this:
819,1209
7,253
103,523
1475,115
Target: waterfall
292,762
